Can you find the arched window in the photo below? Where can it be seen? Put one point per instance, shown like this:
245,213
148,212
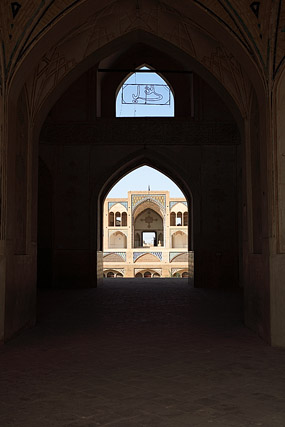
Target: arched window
139,275
147,274
110,274
124,219
111,219
145,94
173,218
185,218
179,218
118,219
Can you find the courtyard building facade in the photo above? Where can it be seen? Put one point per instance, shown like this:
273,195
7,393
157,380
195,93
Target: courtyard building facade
146,235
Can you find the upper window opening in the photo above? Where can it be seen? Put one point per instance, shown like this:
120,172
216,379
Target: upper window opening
145,94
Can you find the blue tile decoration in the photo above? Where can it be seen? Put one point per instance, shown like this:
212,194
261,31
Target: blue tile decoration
121,254
174,254
158,255
159,199
136,255
171,204
111,204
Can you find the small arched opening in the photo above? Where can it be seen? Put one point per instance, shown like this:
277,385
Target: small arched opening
118,219
110,274
111,219
173,218
179,218
147,274
124,219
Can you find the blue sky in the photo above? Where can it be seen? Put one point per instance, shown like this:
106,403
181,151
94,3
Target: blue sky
140,179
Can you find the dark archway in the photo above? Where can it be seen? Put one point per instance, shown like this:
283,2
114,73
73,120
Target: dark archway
139,149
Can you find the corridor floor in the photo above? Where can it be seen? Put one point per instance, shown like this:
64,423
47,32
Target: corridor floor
141,352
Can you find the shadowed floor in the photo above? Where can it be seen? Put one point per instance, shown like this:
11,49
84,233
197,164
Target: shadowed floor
141,352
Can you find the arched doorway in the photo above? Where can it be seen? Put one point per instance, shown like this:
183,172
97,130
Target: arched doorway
147,230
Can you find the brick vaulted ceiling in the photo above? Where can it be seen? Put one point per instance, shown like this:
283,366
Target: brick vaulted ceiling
259,26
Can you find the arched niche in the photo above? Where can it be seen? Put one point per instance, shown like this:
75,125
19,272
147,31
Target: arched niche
179,240
117,240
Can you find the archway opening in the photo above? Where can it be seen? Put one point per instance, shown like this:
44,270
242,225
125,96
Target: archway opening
199,150
153,245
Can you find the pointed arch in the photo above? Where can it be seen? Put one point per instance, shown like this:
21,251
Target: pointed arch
147,204
161,163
